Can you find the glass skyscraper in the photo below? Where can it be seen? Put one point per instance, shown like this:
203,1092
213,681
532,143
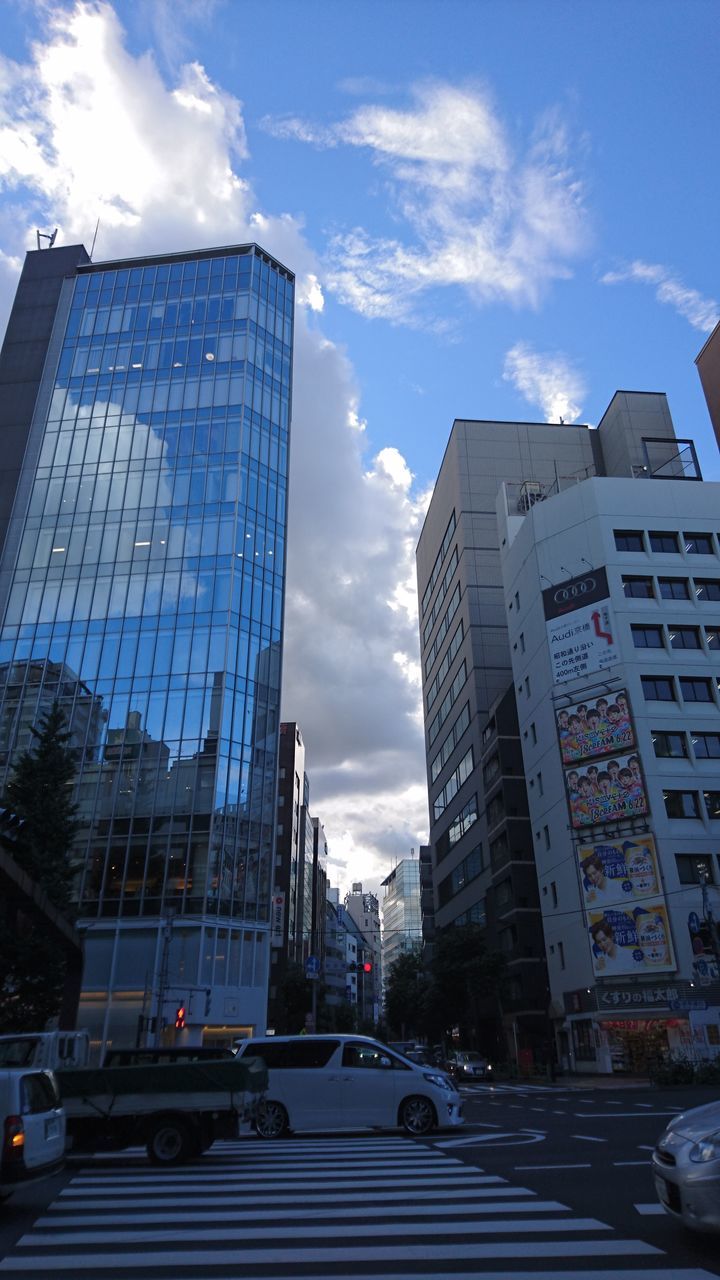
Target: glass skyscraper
143,588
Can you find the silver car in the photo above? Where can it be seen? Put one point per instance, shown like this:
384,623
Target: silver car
686,1168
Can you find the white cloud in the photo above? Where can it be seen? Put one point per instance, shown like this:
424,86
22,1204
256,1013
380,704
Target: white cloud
84,129
546,379
500,222
702,313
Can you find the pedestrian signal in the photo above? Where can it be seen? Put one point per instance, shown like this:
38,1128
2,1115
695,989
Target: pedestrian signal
180,1017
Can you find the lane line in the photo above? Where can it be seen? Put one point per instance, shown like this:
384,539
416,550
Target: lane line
619,1115
584,1137
650,1210
627,1163
552,1166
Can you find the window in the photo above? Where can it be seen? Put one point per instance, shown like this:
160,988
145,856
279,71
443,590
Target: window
453,784
491,769
553,891
712,803
658,688
541,789
673,588
694,868
706,745
527,686
522,642
546,836
707,588
495,811
533,734
629,540
668,744
647,637
561,953
285,1055
663,541
712,639
698,544
684,637
503,893
638,588
695,689
517,600
681,804
488,731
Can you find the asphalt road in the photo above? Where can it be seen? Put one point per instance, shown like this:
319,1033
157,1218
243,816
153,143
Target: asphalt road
542,1182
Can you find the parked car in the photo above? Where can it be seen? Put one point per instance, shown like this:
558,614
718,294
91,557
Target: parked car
686,1168
348,1082
468,1065
32,1124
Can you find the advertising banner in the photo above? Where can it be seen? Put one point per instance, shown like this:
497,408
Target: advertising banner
608,792
277,920
705,965
634,941
595,727
619,872
580,627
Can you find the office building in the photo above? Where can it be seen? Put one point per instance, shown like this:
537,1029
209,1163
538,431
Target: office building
142,586
401,913
363,909
467,658
708,367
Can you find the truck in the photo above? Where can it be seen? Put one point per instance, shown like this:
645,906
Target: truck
175,1109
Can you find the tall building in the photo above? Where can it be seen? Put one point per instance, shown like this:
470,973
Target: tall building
613,595
466,652
142,586
401,913
708,367
364,912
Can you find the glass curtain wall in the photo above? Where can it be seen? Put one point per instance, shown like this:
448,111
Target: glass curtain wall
147,596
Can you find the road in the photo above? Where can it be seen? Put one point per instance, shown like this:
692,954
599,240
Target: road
541,1183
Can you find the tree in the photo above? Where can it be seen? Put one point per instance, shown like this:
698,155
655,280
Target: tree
40,794
405,995
466,982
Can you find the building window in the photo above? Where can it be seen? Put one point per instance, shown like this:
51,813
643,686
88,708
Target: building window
673,588
488,731
491,769
495,811
712,803
695,689
698,544
561,953
712,639
638,588
503,893
658,688
694,868
546,836
663,541
541,789
706,745
629,540
527,686
553,891
707,588
647,637
681,804
684,637
533,734
522,642
669,745
517,600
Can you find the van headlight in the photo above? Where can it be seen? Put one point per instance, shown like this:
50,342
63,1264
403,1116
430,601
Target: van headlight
440,1082
708,1149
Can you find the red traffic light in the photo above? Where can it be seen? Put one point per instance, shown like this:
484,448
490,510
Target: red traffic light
180,1018
367,967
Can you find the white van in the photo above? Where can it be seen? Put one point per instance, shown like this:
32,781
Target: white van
348,1082
32,1127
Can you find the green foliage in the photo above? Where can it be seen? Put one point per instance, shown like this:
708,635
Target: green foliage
405,992
292,1002
680,1071
32,970
40,793
466,983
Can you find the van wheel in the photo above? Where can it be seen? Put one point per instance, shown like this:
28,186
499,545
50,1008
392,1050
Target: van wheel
170,1142
271,1120
417,1116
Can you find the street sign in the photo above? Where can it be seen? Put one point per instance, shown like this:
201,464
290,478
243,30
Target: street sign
312,967
684,1006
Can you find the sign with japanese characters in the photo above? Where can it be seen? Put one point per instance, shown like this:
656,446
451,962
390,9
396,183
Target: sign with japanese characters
595,727
636,941
610,997
580,627
619,872
277,919
608,792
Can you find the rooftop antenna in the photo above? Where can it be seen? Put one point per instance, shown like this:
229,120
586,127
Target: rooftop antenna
92,246
44,235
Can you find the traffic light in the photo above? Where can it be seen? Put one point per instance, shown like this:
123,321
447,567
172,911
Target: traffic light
366,966
360,966
180,1017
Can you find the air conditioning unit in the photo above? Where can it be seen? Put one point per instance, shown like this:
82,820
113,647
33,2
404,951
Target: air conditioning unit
530,493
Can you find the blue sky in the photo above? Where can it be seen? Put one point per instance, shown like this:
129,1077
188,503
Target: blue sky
495,210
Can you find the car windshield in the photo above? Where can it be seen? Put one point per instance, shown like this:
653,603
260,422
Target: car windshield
17,1052
471,1057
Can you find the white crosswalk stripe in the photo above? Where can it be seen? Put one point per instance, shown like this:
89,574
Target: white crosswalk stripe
380,1207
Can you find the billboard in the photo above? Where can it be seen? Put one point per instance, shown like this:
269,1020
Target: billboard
636,941
606,792
618,873
580,627
595,727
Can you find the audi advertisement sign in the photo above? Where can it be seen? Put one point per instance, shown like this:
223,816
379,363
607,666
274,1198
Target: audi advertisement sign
580,627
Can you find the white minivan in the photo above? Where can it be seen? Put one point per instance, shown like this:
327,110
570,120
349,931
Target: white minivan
348,1082
32,1127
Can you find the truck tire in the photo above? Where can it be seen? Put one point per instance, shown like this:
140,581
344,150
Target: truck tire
170,1140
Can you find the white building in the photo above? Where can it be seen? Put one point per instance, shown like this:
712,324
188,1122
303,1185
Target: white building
612,593
401,913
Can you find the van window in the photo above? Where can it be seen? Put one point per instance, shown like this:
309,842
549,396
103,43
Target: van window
17,1052
38,1093
281,1055
366,1055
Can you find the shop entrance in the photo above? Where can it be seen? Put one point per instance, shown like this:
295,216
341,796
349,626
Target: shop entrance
637,1046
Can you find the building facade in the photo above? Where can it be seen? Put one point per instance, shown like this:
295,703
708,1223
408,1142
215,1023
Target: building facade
708,367
363,909
465,647
142,587
401,913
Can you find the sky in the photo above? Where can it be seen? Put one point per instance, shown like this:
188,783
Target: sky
500,209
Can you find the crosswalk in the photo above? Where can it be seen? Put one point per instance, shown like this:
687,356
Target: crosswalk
489,1086
320,1208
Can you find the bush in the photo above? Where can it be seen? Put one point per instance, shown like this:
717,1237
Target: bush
683,1072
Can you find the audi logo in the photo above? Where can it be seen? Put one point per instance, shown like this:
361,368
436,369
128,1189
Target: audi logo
563,594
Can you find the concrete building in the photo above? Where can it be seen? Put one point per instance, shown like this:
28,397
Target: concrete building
466,650
364,911
401,913
708,367
142,585
612,590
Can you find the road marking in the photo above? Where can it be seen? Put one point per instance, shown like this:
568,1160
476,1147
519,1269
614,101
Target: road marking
583,1137
645,1148
543,1109
650,1210
643,1104
307,1215
620,1163
552,1166
513,1139
559,1113
619,1115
